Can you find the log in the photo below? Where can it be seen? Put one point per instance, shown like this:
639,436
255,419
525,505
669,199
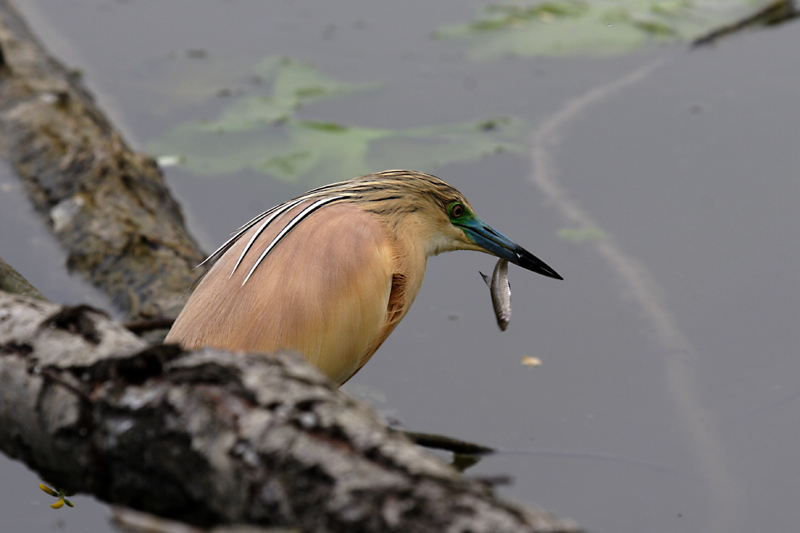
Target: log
210,437
108,206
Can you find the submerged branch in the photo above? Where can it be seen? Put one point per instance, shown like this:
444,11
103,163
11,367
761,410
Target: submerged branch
440,442
772,14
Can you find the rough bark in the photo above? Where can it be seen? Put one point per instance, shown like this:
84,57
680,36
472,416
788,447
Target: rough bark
210,437
108,205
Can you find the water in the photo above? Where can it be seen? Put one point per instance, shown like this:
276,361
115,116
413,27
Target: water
668,397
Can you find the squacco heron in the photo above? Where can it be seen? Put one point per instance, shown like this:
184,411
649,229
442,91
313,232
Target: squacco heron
331,273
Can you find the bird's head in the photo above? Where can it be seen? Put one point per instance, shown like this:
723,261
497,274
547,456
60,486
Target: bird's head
437,216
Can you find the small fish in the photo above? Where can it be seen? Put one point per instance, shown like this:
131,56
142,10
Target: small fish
501,293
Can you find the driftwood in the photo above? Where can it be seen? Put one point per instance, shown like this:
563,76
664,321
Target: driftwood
108,206
210,437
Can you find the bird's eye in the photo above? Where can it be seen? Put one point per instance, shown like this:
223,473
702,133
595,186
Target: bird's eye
456,210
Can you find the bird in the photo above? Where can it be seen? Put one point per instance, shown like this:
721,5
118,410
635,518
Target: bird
331,273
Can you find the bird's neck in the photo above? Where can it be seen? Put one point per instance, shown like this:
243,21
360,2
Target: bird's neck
419,238
411,251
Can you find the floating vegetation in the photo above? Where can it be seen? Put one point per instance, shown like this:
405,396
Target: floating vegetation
263,132
581,235
592,27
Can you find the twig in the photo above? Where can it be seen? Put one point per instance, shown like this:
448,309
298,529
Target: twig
140,326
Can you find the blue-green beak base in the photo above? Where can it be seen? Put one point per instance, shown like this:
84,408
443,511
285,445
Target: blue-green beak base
498,244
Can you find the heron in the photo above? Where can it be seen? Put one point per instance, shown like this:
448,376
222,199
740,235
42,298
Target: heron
331,273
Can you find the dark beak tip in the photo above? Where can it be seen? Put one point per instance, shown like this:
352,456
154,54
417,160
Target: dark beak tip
530,262
548,272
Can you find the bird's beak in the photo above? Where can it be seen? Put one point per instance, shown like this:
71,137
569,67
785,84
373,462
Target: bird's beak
495,243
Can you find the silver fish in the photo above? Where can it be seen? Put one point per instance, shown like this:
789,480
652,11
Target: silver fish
501,293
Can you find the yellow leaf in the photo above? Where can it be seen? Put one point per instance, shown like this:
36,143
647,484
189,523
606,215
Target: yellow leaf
47,489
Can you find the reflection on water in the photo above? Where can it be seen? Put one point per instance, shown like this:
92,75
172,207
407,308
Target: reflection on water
637,284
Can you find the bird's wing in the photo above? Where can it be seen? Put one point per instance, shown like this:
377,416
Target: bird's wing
322,291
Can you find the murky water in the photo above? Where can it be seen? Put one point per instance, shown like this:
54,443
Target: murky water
669,394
